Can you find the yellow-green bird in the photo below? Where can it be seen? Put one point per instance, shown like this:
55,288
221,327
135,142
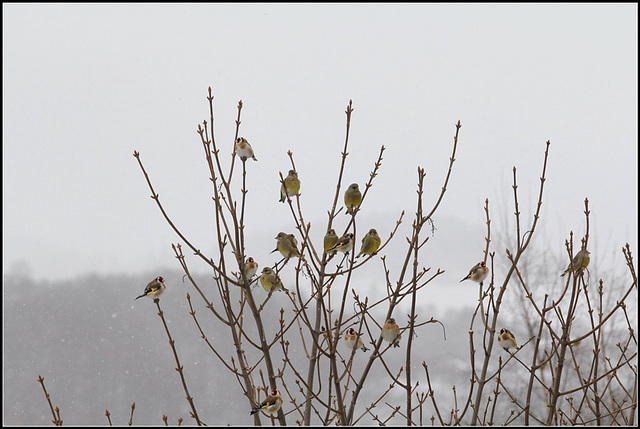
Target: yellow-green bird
579,262
270,280
352,198
287,245
370,243
290,187
330,240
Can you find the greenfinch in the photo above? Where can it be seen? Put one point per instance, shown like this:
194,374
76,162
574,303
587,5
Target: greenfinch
507,340
352,198
391,332
353,341
287,245
330,240
478,273
154,289
244,149
270,280
579,262
344,244
270,405
370,243
290,187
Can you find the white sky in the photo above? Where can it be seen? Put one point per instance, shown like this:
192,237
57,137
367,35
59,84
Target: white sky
85,85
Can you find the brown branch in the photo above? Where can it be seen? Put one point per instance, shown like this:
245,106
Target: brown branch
57,421
179,368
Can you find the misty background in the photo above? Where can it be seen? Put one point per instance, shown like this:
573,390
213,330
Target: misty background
86,85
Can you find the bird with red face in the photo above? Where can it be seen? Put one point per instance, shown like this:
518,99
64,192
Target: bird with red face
154,289
478,273
507,340
353,341
271,405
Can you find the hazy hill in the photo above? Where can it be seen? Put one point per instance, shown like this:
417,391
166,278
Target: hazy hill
99,349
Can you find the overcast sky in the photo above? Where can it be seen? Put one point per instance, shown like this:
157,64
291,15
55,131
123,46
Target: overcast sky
84,85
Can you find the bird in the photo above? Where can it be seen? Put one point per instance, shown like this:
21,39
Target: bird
579,262
506,339
330,240
244,149
290,186
287,245
352,198
391,332
250,267
344,243
154,289
478,273
370,243
353,341
270,280
270,405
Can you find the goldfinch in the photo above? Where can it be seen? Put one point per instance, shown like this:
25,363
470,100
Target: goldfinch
154,289
352,198
353,341
506,339
344,244
270,280
478,273
287,245
270,405
244,149
391,332
579,262
370,243
330,240
290,187
250,268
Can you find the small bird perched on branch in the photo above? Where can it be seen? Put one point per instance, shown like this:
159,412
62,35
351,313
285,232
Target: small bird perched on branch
270,280
287,244
352,198
344,244
478,273
244,149
391,332
507,340
270,405
579,262
154,289
250,267
370,243
353,341
290,187
330,240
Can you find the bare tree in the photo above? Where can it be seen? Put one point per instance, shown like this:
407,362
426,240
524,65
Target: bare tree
318,320
321,385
